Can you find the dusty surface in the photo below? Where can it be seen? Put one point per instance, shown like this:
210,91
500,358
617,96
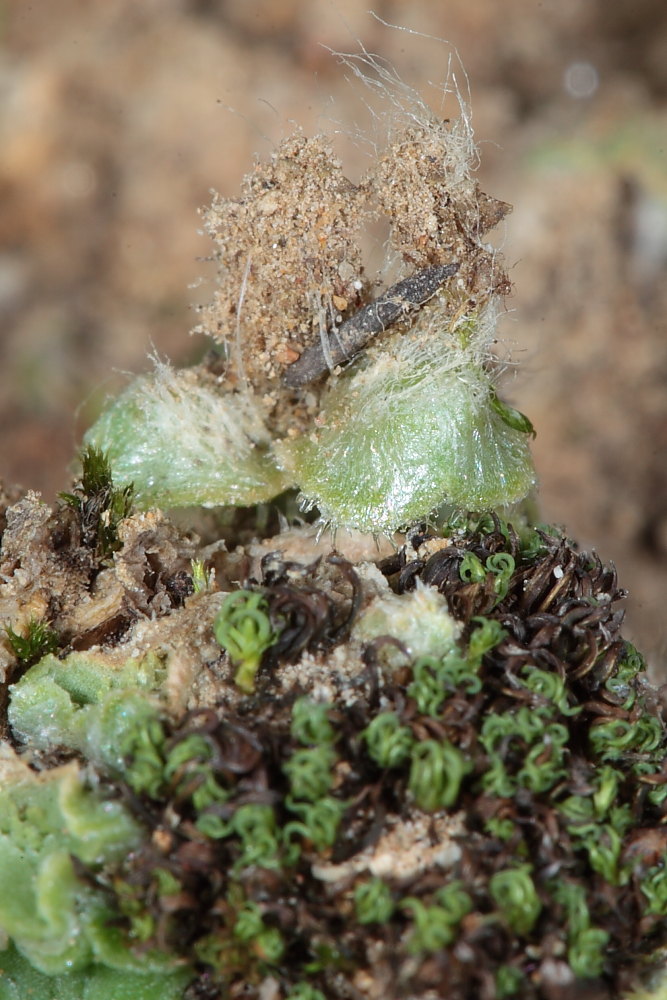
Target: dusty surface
49,573
115,126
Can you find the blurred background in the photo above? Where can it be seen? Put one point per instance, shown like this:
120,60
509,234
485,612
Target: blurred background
117,117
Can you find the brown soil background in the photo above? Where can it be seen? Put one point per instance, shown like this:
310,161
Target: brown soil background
115,124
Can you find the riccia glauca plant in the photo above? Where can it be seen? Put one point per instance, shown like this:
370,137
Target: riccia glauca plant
294,765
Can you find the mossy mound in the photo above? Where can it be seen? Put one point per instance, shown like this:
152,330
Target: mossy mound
472,807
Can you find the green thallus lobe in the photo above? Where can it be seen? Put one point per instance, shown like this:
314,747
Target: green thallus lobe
395,438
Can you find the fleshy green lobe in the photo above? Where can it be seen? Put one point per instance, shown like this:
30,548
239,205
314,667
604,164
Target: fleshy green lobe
20,981
183,443
47,820
51,820
394,445
84,704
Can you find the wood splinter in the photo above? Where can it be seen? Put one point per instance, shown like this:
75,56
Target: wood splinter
396,303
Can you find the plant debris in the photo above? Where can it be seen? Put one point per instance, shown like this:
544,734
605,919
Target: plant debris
398,301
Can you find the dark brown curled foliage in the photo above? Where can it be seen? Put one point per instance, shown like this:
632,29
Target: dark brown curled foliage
304,614
559,608
235,749
179,586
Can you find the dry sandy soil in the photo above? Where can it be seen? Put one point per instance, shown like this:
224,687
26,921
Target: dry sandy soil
118,117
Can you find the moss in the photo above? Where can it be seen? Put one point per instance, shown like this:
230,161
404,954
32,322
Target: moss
36,643
436,772
100,505
243,628
513,892
389,743
436,927
230,812
373,902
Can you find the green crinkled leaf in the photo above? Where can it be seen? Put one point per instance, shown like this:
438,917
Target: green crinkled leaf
46,820
98,831
84,704
20,981
109,715
110,948
53,939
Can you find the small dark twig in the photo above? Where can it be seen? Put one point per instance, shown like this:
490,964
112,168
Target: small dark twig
397,302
